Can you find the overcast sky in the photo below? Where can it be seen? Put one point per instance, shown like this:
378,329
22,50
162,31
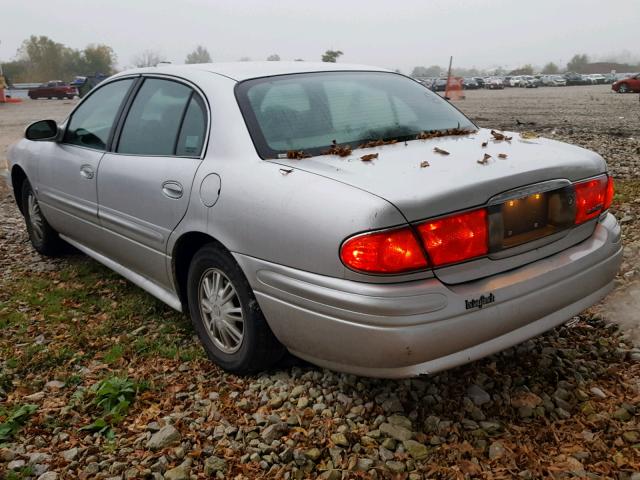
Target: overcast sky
395,34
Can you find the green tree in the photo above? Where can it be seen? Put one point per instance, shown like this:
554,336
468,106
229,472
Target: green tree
273,58
331,56
98,59
550,69
578,63
48,60
16,71
199,55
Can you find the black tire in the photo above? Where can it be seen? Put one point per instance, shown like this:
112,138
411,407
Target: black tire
42,236
258,349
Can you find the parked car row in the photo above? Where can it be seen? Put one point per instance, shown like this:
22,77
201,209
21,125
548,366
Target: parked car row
622,82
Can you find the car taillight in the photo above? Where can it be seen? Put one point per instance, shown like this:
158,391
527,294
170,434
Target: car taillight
591,198
456,238
608,198
390,251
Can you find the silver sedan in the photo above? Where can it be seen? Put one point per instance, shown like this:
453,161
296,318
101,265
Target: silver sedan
344,213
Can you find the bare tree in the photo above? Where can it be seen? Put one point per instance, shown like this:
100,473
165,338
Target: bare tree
148,58
199,55
273,58
551,68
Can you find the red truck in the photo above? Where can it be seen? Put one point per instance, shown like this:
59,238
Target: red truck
53,89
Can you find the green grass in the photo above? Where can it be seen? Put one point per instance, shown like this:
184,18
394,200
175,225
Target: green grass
626,191
12,420
86,312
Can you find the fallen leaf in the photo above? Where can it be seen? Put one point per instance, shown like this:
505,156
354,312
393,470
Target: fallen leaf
426,135
369,157
500,136
529,135
424,164
340,150
485,159
502,155
440,150
297,154
484,144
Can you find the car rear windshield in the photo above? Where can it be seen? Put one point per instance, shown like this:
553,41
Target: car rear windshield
311,111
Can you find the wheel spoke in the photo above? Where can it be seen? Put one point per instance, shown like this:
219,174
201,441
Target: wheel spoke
206,287
206,306
231,313
227,294
233,331
216,284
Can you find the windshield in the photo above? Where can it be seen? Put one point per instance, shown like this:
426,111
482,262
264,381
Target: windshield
311,112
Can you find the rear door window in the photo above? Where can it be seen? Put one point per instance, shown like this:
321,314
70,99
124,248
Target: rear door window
153,123
193,129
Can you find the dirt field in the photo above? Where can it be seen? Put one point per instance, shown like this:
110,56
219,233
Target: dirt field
14,118
98,380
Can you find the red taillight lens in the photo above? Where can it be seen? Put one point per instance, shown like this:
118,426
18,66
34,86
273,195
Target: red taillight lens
456,238
590,198
608,198
391,251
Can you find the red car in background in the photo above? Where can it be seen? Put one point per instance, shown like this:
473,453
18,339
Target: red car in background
627,85
53,89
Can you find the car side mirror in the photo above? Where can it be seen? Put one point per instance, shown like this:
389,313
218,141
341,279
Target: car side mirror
42,131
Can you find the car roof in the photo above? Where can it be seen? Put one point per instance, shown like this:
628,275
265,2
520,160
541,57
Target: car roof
245,70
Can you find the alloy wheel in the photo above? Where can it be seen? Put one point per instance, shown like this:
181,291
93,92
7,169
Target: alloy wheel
221,311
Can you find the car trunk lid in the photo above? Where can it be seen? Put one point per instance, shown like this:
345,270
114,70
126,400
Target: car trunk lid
435,177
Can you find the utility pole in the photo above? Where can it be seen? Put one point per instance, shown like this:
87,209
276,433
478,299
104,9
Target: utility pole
446,88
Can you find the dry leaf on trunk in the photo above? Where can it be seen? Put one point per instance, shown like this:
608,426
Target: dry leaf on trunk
297,154
369,157
500,136
529,135
440,150
502,155
485,159
424,164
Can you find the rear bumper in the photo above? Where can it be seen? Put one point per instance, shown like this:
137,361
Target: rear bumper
420,327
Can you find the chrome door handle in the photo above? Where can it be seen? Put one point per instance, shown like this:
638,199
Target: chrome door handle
87,172
172,189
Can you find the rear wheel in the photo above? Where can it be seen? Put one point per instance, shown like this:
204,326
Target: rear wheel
42,236
226,315
623,88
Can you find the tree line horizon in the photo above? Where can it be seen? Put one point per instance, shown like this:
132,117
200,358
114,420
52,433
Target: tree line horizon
39,59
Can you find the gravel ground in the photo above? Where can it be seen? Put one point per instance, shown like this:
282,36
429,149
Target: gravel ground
562,405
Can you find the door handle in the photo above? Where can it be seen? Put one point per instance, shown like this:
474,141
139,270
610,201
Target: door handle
172,189
87,172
